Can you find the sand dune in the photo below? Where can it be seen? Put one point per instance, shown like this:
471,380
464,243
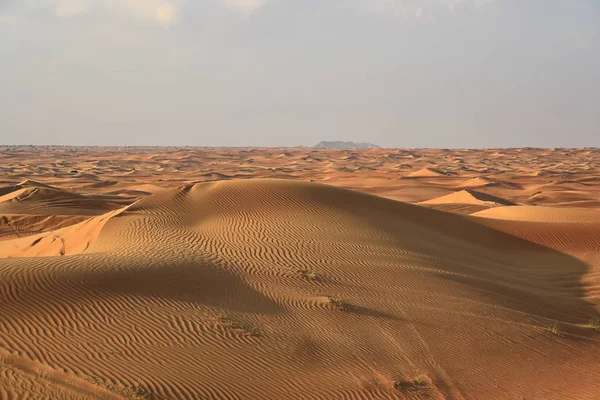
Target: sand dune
541,214
72,239
426,172
15,226
458,208
45,200
33,184
476,182
288,289
479,182
469,196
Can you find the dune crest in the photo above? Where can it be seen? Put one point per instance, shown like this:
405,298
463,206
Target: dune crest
426,172
468,196
46,200
541,214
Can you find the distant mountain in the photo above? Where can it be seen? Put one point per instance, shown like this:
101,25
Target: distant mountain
345,145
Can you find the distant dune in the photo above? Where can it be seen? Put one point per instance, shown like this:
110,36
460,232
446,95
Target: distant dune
469,196
197,283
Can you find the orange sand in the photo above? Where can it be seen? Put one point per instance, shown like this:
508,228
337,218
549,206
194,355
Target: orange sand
163,273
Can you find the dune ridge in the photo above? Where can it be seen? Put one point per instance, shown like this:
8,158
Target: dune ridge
45,200
469,196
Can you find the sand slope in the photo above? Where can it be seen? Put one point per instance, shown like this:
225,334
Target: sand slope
426,172
44,200
469,196
284,289
541,214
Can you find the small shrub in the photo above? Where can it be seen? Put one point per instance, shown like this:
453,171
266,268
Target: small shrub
536,193
310,275
244,327
420,380
554,328
133,392
336,302
594,324
417,385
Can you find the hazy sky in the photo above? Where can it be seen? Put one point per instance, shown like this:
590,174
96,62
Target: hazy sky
399,73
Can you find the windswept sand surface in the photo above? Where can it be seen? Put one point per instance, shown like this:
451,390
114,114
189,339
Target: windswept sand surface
164,273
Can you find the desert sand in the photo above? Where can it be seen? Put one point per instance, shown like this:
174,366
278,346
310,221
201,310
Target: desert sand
222,273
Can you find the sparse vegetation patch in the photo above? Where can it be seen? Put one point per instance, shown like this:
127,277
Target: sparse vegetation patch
310,275
244,327
134,392
337,302
594,324
419,384
554,328
420,379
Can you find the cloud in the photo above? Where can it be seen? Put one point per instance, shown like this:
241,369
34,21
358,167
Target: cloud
162,12
71,8
6,19
405,10
415,10
454,4
165,12
244,6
